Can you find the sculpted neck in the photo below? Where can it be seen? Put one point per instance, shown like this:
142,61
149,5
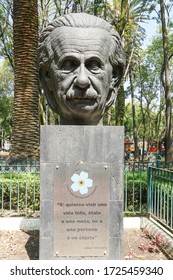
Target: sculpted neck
80,122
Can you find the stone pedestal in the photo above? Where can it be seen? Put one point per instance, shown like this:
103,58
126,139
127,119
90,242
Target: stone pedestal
81,214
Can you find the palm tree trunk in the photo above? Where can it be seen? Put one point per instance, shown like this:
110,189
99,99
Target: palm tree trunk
25,126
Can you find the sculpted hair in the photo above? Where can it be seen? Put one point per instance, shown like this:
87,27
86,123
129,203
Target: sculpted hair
82,20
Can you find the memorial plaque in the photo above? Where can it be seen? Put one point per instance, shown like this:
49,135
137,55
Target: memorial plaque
81,213
81,210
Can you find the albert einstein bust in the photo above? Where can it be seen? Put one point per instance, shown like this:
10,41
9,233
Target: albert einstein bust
81,62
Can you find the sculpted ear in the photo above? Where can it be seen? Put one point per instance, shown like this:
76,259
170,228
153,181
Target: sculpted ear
113,91
47,85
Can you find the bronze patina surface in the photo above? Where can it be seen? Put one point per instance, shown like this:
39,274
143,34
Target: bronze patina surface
81,63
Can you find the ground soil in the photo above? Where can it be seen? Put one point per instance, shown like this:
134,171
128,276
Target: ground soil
20,245
138,245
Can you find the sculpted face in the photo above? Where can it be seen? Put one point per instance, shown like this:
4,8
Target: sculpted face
80,73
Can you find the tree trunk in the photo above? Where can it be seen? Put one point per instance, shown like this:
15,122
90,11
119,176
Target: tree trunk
120,106
144,125
25,126
167,87
135,137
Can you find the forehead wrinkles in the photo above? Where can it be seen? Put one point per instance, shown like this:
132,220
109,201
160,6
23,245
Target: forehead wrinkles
66,39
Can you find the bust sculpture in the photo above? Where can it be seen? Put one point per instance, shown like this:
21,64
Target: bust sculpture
81,63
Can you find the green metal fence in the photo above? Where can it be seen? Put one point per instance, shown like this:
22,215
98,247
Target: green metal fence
160,195
135,188
19,188
143,192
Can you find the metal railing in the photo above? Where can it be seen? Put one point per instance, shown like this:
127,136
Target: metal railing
143,192
135,188
137,166
160,195
19,188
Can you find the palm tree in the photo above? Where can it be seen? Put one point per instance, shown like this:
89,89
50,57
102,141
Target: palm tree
25,126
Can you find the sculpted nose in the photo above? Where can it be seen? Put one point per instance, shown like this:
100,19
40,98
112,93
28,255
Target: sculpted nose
82,79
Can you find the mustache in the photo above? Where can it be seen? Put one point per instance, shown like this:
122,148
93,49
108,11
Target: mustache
81,94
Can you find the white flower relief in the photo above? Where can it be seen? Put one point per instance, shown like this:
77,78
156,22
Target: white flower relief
81,182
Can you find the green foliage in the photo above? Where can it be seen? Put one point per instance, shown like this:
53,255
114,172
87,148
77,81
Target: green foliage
6,98
149,95
135,192
20,192
109,116
6,31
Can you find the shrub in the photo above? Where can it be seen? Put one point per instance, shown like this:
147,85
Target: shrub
135,192
20,191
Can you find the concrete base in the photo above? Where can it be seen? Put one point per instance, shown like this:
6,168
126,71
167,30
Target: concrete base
27,224
68,150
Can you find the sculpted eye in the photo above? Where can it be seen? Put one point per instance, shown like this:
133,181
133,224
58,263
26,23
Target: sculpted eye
68,65
94,66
